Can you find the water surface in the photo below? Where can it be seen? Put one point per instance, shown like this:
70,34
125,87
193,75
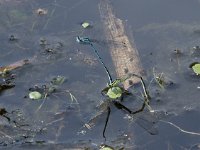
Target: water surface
158,28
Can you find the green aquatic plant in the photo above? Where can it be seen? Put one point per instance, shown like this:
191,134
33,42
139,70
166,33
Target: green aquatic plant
106,147
35,95
42,92
195,67
115,90
85,25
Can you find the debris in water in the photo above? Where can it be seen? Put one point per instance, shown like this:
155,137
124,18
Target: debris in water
12,38
35,95
41,11
14,65
85,25
196,48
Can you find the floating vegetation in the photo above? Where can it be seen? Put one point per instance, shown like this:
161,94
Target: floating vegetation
43,91
195,67
106,147
35,95
85,25
115,89
38,92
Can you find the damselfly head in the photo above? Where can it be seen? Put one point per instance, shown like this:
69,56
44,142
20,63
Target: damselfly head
83,40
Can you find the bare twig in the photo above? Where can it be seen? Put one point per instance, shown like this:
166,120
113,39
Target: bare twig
180,129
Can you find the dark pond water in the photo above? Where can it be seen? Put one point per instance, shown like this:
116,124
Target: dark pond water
159,27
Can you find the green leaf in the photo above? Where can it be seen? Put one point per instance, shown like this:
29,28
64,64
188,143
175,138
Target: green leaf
58,80
85,25
35,95
196,68
114,92
107,148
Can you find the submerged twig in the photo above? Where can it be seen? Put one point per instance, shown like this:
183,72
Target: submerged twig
73,98
41,104
180,129
54,121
